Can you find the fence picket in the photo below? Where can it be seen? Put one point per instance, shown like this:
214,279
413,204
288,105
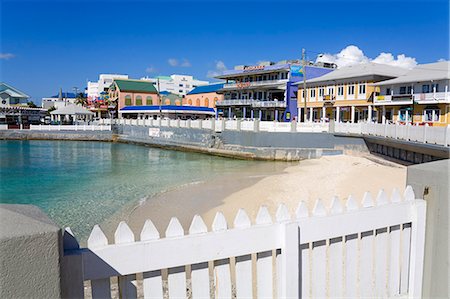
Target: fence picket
127,283
176,277
335,257
244,288
222,275
264,261
367,254
394,261
351,256
405,241
200,271
152,280
100,288
319,258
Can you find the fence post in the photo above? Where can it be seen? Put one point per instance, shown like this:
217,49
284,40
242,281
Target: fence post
396,131
425,133
223,124
188,123
293,126
238,124
256,125
200,124
446,136
385,129
213,124
417,249
291,268
178,122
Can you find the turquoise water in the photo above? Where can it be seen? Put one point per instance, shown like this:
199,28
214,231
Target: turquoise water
79,184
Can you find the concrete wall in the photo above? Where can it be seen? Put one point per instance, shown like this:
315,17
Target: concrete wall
56,135
30,250
431,180
248,145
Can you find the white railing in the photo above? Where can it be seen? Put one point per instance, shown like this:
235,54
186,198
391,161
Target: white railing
436,96
3,127
70,127
372,249
424,134
254,84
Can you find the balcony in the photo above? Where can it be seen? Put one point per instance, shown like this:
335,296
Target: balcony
246,85
395,99
432,97
251,102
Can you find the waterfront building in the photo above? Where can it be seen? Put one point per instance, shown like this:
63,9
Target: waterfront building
176,84
95,89
168,98
71,114
419,96
265,91
346,94
14,110
59,100
127,92
204,96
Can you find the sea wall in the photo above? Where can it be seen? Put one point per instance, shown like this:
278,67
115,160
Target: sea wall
56,135
249,145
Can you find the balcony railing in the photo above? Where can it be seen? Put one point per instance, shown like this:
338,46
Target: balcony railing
251,102
242,85
432,96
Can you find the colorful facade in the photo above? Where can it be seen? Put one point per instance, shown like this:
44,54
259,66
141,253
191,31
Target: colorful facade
420,96
346,94
133,93
204,96
266,91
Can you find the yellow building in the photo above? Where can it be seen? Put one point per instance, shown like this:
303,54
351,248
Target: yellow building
346,94
419,96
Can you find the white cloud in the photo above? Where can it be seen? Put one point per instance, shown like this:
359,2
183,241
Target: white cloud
351,55
172,61
150,69
7,56
218,69
185,63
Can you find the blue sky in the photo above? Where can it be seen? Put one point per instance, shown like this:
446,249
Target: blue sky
53,44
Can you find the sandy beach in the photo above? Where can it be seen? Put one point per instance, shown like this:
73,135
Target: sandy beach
307,180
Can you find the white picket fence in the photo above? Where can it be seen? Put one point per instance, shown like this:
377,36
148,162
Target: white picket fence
424,134
70,127
368,249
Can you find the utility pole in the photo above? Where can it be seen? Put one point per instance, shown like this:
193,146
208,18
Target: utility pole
305,108
160,100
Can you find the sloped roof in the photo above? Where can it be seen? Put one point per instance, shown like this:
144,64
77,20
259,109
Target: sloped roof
423,72
135,85
69,95
12,91
360,70
206,88
72,110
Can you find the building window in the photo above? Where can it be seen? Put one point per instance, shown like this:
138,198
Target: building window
330,91
434,87
149,101
388,91
409,89
207,102
431,115
402,115
197,102
190,102
128,100
138,101
403,90
351,89
340,90
177,103
313,93
362,88
167,102
180,90
180,85
321,91
425,88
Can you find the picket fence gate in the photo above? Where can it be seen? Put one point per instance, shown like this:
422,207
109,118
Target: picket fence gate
372,249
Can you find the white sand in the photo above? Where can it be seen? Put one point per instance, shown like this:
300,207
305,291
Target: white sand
312,179
308,180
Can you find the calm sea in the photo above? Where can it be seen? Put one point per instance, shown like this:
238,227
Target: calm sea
79,184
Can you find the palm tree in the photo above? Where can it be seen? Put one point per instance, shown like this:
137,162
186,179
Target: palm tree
81,99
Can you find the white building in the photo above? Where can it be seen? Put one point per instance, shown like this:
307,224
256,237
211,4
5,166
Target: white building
94,88
176,84
60,100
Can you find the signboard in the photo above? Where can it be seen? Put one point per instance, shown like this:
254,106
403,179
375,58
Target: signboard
296,71
253,68
242,84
